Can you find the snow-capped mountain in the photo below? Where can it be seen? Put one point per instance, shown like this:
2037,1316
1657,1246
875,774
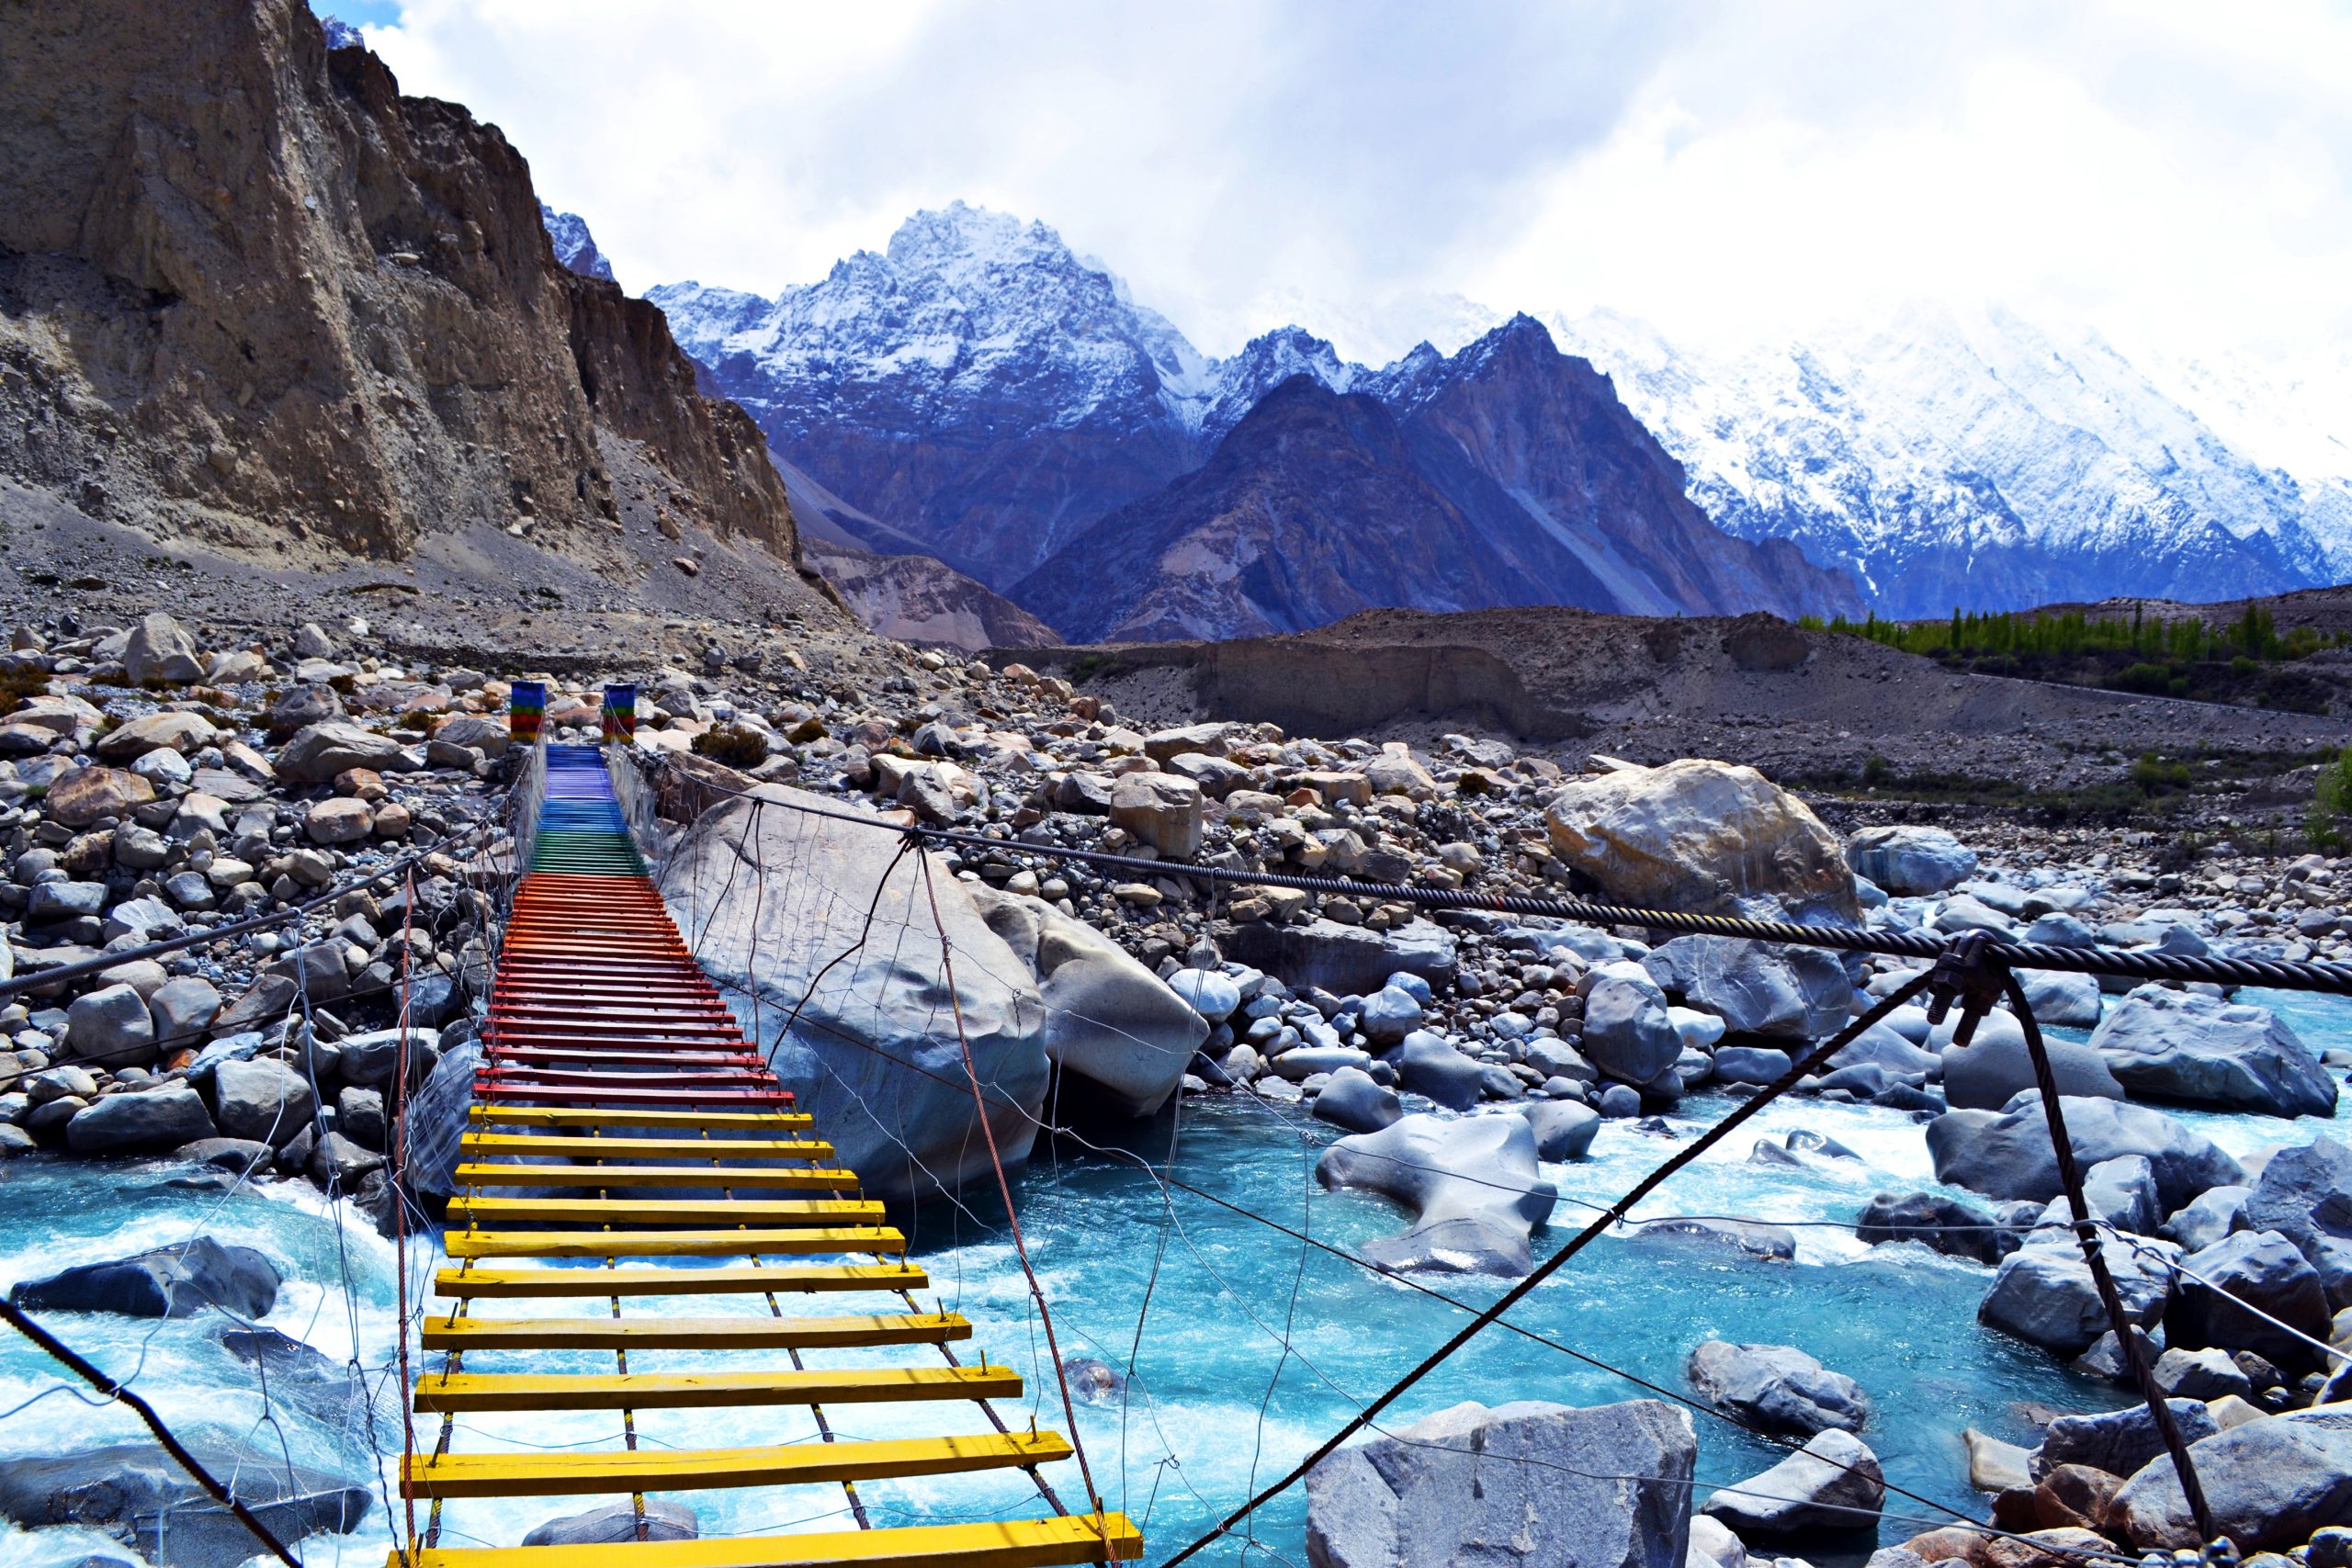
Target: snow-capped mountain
575,246
1977,460
979,391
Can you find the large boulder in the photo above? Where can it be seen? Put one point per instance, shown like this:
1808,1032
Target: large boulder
1160,809
2271,1483
182,1010
2118,1441
1428,1064
1627,1034
182,732
1343,960
79,796
138,1123
1354,1101
263,1099
111,1027
1794,992
2058,997
318,751
2044,1294
1943,1224
172,1282
1910,861
1531,1484
2009,1154
2305,1194
872,1050
1109,1021
2230,1293
1992,1069
1472,1185
1777,1387
1833,1485
2200,1050
1700,836
160,650
616,1523
1564,1130
143,1497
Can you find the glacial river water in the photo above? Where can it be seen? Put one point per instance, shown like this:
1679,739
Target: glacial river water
1254,1346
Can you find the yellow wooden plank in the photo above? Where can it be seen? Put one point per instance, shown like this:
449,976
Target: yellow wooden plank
467,1209
566,1116
608,1176
691,1333
644,1148
647,1391
679,1470
671,1244
1013,1543
734,1281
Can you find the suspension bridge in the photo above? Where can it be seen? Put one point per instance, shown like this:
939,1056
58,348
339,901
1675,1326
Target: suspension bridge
627,1147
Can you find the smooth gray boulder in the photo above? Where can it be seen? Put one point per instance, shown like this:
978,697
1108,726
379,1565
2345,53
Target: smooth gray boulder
318,751
1751,1064
141,1122
2271,1483
2043,1292
874,1054
373,1056
1531,1484
1211,994
1352,1100
1833,1485
2059,997
616,1523
1701,836
2121,1190
1757,1238
1943,1224
1797,993
1347,960
160,650
1881,1046
1109,1021
2258,1269
1564,1130
263,1098
1388,1015
2194,1049
1777,1387
1910,861
2212,1215
2305,1194
2118,1441
2009,1155
182,1010
140,1495
1472,1184
1988,1072
1428,1064
171,1281
111,1027
1627,1034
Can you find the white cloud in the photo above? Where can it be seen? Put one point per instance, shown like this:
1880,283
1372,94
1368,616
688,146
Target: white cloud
2172,172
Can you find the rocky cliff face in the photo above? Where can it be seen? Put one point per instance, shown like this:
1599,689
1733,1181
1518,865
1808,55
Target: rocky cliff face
251,296
1508,474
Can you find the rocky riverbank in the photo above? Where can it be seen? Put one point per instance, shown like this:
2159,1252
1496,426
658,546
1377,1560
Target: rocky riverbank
155,786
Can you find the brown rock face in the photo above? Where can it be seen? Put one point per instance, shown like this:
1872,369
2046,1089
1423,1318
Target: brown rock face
247,290
82,797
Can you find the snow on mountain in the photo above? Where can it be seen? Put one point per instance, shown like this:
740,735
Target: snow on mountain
575,246
1949,458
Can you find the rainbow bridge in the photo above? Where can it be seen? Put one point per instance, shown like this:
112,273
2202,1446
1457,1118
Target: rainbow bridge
627,1148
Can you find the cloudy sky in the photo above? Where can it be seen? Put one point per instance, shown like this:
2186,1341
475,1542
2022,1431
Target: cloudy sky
2175,175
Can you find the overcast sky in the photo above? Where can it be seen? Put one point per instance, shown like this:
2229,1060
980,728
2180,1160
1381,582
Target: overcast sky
2173,174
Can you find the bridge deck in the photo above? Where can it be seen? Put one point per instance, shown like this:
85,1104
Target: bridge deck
617,1084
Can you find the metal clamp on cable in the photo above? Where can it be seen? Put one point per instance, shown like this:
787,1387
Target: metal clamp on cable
1969,974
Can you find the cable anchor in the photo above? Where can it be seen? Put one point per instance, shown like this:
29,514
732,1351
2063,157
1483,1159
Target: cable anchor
1968,975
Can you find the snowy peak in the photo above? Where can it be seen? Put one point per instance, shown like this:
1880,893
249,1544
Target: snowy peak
575,246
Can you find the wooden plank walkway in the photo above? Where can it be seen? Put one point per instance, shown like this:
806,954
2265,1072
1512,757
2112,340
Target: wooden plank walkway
620,1113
